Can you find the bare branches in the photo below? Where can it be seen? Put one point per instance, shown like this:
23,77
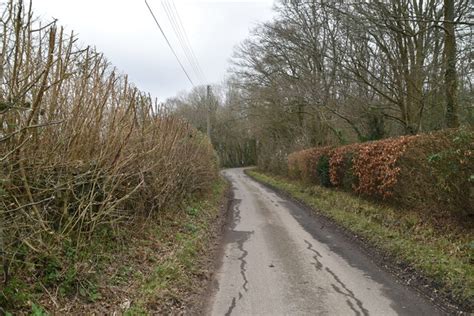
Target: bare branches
342,71
80,146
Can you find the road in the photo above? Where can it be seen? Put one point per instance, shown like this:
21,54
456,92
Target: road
279,260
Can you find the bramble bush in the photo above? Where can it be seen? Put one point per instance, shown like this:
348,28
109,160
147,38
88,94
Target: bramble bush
432,171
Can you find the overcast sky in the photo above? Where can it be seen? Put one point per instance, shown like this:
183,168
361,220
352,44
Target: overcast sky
126,33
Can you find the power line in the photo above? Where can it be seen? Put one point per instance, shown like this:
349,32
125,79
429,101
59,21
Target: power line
168,42
180,32
187,41
177,31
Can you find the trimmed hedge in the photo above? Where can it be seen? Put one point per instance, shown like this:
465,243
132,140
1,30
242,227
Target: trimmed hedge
304,164
428,171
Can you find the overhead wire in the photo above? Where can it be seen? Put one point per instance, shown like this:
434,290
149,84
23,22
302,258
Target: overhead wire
173,17
187,41
168,42
180,32
181,42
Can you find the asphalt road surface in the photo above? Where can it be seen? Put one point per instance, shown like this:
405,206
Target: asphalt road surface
279,260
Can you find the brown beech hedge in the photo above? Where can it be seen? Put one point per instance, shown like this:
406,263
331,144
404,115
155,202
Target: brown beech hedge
434,171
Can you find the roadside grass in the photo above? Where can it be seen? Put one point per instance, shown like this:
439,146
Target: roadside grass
443,252
154,265
180,272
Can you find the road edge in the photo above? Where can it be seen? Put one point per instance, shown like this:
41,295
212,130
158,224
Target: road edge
201,301
406,275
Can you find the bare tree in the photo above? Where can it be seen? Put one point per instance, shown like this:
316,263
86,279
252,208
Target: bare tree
336,72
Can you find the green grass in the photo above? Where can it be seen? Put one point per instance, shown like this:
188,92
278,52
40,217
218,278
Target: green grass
444,254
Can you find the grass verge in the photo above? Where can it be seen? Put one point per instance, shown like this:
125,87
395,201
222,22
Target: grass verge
442,253
153,266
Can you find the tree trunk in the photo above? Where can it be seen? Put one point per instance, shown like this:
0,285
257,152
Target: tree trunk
451,84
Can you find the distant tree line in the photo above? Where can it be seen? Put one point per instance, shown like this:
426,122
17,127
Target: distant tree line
336,72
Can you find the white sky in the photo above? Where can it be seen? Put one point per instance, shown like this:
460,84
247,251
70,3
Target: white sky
126,33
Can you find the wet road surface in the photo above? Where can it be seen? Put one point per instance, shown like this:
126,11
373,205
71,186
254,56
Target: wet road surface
278,260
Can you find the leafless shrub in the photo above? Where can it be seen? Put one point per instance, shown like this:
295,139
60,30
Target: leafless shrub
80,146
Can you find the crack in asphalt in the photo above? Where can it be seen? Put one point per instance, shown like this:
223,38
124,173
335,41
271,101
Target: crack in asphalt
348,302
240,244
348,293
265,228
240,237
244,236
356,312
231,307
243,264
317,264
237,217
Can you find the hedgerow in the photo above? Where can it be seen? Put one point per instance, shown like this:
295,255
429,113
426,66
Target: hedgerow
433,171
340,166
375,166
304,164
81,150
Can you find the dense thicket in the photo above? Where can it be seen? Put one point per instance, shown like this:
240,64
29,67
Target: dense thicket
336,72
80,147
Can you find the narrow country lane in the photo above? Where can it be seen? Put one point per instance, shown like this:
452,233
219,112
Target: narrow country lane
278,260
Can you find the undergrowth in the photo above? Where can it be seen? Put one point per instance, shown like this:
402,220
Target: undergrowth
154,265
176,276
